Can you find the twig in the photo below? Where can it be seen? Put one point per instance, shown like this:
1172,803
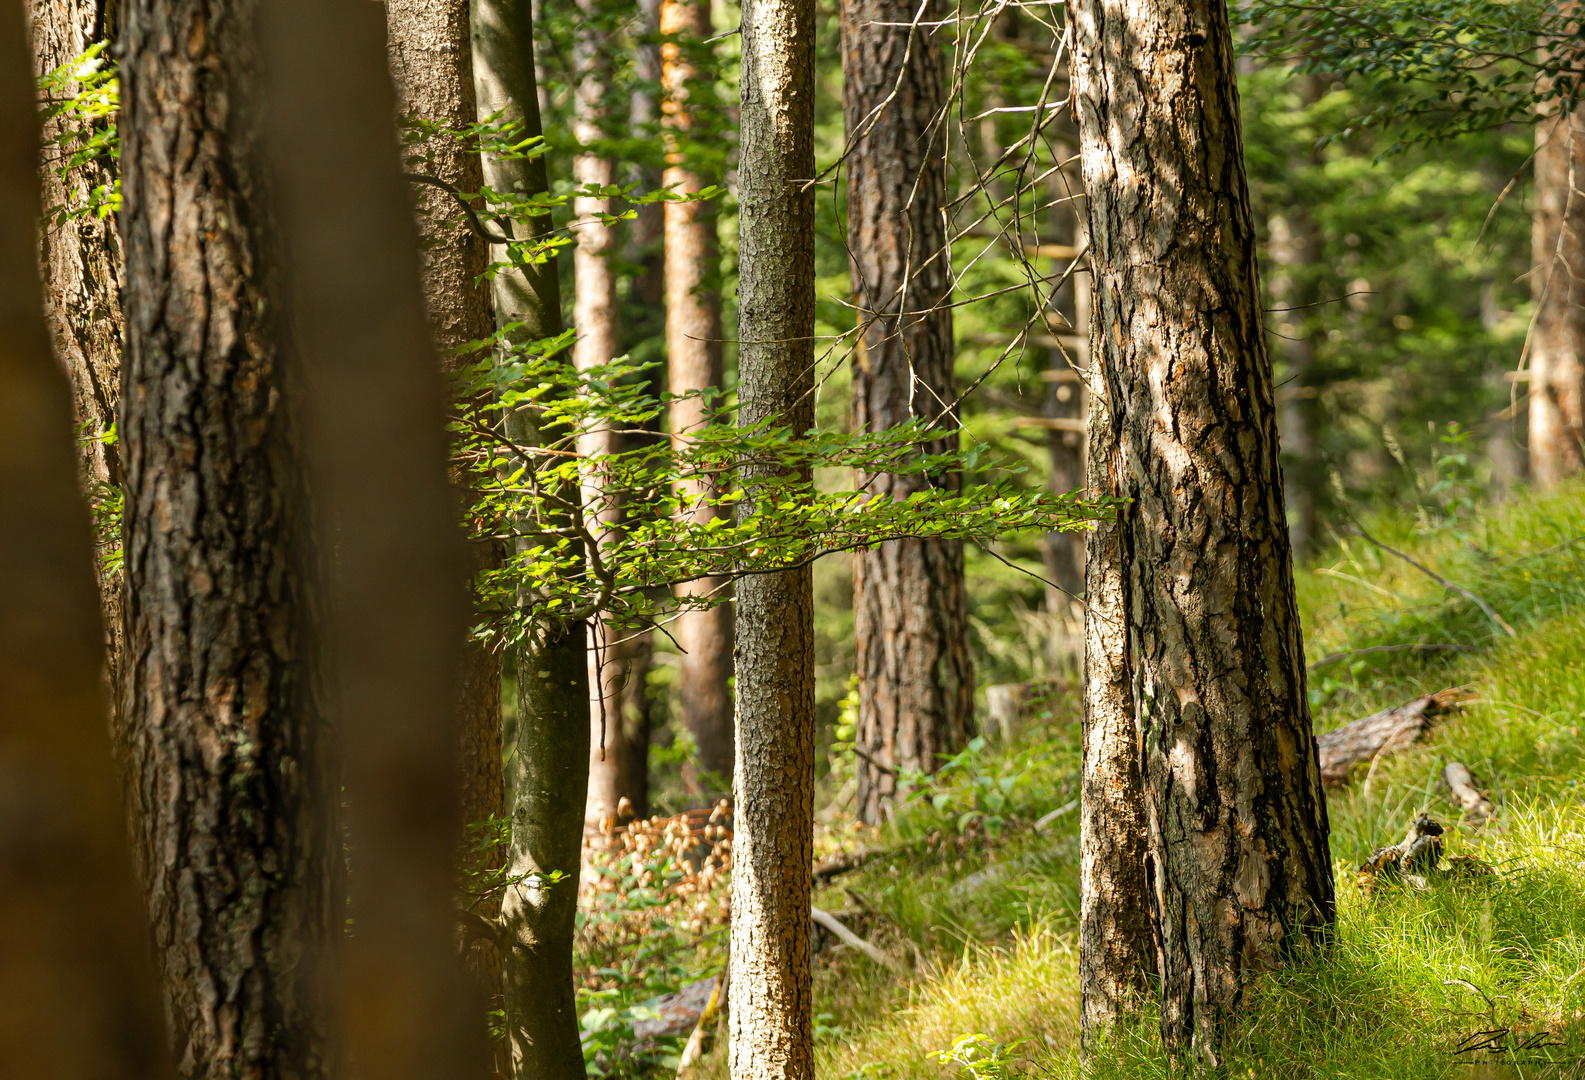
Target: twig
848,937
474,222
1438,578
1418,646
1061,811
887,769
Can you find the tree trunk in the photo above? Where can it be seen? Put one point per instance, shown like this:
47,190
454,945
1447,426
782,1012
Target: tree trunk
910,608
771,1025
78,1000
222,719
431,59
81,259
693,355
1239,869
1066,403
395,604
551,760
1295,249
1557,347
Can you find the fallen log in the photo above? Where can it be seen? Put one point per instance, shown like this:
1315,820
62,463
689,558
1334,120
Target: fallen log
852,940
1462,784
1381,733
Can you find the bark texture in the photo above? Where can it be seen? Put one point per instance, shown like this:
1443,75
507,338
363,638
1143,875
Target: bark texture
431,63
395,608
1236,832
1557,348
221,711
76,994
81,260
910,609
551,760
771,1025
693,364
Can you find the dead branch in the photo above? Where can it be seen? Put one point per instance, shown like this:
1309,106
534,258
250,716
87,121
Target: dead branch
848,937
1462,783
1438,578
1381,733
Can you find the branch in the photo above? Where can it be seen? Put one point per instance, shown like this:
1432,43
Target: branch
848,937
1418,646
474,222
1438,578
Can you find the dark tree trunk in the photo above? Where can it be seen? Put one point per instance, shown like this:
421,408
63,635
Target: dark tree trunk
81,259
222,717
431,60
76,995
771,1017
1238,865
551,760
395,599
1557,349
910,610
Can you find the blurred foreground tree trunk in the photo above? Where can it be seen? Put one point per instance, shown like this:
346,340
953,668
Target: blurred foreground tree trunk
693,359
1210,672
77,995
910,608
80,254
551,759
395,600
1557,347
431,61
771,1021
223,724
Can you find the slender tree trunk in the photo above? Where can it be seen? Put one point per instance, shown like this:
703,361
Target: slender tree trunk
431,60
693,353
76,994
910,608
551,760
81,259
395,608
1238,866
1066,405
1295,249
222,718
1557,348
771,1025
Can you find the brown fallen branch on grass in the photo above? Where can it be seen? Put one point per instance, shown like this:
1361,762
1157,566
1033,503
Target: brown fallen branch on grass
852,940
1462,784
1381,733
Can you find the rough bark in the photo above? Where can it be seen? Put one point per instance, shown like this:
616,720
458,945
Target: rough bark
76,993
1236,827
81,260
771,1025
1557,347
395,610
693,358
222,718
910,607
551,762
431,62
1117,952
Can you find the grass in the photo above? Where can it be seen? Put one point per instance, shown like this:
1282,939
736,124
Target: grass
989,921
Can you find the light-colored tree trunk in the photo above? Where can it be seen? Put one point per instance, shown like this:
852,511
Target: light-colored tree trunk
693,357
771,1025
1238,869
81,260
910,607
222,719
76,993
431,62
551,758
394,610
1557,347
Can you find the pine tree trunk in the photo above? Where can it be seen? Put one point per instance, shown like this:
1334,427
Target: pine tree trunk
222,719
431,60
771,1022
81,259
551,759
1238,865
910,608
78,998
693,356
1557,347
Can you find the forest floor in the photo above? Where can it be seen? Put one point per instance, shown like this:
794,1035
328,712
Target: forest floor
978,907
